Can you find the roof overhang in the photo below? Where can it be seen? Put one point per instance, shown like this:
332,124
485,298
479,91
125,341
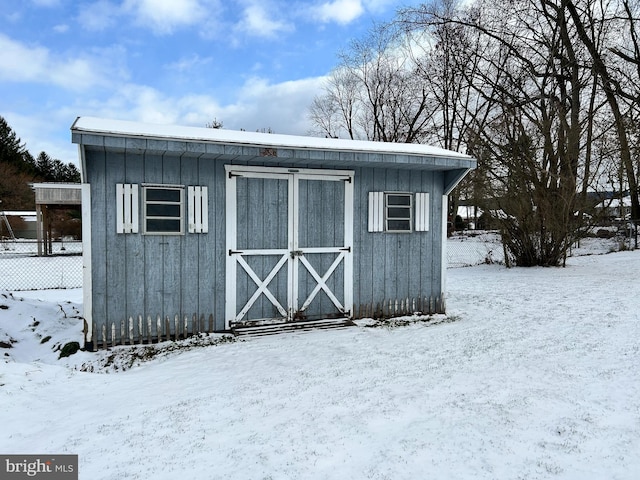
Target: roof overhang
230,145
53,193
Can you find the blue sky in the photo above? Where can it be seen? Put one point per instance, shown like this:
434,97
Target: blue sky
252,64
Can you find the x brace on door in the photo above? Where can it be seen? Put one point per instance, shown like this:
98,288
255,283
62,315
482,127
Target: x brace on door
262,286
322,283
290,260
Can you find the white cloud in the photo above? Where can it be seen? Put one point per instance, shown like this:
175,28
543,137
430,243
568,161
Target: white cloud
257,22
161,16
46,3
378,6
99,16
185,64
164,16
42,133
36,64
339,11
258,104
257,18
283,107
61,28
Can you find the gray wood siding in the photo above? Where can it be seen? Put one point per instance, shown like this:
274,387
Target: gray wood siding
95,176
116,266
190,249
134,250
136,274
396,266
153,247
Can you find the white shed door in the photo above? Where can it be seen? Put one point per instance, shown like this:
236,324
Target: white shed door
289,244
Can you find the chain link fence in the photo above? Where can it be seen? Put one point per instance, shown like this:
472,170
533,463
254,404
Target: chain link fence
22,269
474,248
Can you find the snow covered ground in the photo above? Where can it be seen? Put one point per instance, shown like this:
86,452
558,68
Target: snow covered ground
22,269
534,374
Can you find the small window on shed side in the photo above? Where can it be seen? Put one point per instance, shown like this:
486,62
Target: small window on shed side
398,212
163,209
398,209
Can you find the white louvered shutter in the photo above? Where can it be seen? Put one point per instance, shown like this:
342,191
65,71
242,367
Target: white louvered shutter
127,205
422,212
376,211
198,206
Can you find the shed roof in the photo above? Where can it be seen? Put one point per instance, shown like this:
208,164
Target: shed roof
57,193
232,145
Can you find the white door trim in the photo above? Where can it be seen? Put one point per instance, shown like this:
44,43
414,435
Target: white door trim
293,256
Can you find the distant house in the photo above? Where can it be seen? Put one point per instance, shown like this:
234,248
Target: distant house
196,229
615,207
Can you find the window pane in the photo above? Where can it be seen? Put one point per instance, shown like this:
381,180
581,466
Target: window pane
399,213
399,225
161,210
156,225
163,195
399,200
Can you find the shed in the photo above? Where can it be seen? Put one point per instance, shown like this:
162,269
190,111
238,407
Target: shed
49,196
196,229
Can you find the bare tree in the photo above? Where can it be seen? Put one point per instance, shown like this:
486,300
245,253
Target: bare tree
545,94
584,15
447,58
528,130
375,92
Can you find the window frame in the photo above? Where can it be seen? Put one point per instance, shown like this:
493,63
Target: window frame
409,208
146,187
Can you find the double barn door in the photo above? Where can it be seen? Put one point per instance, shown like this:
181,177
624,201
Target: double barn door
289,244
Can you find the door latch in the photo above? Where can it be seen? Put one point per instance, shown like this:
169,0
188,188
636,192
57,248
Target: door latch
296,253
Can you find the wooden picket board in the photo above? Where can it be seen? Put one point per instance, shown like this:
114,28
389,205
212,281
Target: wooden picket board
136,330
132,331
398,307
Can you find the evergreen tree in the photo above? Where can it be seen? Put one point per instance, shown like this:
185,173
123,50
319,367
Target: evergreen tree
12,150
72,174
44,166
18,169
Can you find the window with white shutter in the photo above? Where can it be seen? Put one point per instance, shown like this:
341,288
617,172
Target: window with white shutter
398,212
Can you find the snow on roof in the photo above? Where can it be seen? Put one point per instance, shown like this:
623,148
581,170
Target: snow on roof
617,203
135,129
18,213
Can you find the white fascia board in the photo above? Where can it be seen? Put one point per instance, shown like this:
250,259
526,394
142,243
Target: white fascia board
101,126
